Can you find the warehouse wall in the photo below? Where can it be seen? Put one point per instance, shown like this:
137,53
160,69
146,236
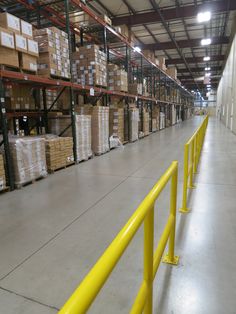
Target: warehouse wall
226,93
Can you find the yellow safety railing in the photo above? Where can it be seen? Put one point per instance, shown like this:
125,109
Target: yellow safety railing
84,295
192,152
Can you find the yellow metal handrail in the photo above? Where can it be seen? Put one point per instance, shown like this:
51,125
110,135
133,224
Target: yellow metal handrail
87,291
192,152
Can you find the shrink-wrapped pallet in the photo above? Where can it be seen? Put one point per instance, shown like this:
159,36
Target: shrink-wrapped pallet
134,123
116,123
29,158
100,130
2,174
83,137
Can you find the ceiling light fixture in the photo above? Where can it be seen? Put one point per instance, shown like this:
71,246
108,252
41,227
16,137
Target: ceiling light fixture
205,41
208,74
138,49
204,16
207,69
206,58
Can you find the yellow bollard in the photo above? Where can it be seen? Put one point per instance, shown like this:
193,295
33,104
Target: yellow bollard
184,208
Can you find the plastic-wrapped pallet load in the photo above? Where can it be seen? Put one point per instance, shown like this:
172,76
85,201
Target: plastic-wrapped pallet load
134,124
2,174
154,125
145,122
100,130
162,120
59,152
83,137
116,123
29,158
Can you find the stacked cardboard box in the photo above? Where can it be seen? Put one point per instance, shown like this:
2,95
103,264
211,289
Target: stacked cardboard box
172,72
83,137
53,52
136,88
51,95
145,122
154,125
2,174
59,152
116,123
118,78
162,63
29,158
134,124
57,124
19,97
89,66
100,130
17,47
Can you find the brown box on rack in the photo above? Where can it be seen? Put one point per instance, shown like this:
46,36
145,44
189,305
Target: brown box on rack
28,62
10,22
7,38
9,57
26,29
20,43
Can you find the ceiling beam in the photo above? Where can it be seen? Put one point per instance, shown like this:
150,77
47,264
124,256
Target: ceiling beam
216,68
186,43
193,60
173,14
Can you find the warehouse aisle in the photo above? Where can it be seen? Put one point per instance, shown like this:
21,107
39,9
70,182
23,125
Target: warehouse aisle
53,231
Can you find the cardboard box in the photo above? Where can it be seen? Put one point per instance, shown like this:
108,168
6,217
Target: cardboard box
28,62
26,29
9,57
33,48
10,22
7,38
172,72
20,43
2,174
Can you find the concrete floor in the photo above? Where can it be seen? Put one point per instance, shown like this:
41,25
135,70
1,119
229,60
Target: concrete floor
53,231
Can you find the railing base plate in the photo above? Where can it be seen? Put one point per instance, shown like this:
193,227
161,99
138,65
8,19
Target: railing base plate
184,211
166,259
192,186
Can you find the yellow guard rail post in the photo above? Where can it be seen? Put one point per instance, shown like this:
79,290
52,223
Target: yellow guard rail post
192,152
84,295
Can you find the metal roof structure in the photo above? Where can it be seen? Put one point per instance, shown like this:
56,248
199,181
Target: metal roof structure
167,27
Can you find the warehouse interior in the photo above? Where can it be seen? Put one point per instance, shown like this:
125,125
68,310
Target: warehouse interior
117,156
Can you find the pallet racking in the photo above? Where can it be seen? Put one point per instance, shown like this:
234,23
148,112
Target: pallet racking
164,91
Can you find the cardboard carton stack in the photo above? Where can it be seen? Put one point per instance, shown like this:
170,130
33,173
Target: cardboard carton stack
117,78
155,118
136,88
162,63
162,120
53,52
59,152
145,122
154,125
83,137
19,97
2,174
100,130
57,124
116,123
134,124
172,72
17,47
29,158
51,95
89,66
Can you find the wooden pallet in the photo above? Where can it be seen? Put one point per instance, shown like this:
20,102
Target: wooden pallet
100,154
4,67
21,185
83,160
51,171
6,189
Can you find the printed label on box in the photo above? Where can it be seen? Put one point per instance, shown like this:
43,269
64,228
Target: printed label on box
7,40
21,42
33,46
13,22
26,28
33,66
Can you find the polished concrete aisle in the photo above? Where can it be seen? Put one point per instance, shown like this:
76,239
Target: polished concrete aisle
53,231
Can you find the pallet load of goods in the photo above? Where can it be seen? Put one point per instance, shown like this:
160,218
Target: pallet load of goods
19,97
59,152
133,124
29,159
18,49
116,127
162,120
145,127
117,78
89,66
2,174
155,118
83,137
53,53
